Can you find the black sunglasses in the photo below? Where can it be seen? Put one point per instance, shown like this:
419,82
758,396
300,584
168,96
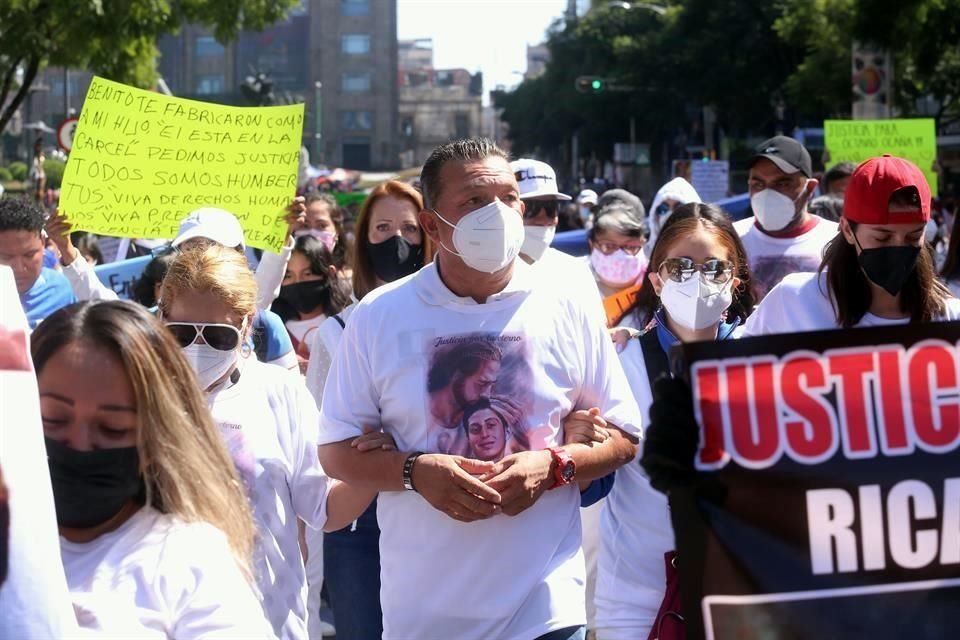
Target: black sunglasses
222,337
534,207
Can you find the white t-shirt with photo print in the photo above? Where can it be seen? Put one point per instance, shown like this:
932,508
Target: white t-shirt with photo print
270,424
773,258
506,577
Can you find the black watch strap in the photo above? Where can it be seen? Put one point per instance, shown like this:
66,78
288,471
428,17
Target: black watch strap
408,470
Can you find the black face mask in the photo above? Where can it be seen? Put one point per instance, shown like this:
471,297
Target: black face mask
395,258
888,267
90,487
304,297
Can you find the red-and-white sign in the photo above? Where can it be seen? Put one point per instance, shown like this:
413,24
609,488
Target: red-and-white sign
65,133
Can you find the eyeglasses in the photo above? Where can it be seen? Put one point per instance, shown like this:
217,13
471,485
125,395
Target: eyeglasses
682,269
222,337
534,207
606,248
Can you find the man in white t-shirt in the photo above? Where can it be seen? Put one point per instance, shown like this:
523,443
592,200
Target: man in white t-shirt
476,549
782,237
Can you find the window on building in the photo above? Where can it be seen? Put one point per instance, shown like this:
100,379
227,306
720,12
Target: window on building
209,84
355,7
461,125
355,81
207,47
356,120
355,44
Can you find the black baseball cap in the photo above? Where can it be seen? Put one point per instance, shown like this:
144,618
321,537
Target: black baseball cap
789,155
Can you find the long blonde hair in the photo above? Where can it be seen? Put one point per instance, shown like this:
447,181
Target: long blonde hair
216,270
186,468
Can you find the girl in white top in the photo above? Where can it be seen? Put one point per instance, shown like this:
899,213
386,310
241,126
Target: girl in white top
698,288
156,534
876,271
311,293
267,418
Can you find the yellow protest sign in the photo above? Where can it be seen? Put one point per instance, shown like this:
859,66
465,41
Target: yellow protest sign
857,140
141,161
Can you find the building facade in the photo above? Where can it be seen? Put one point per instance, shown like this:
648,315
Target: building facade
338,57
435,105
353,55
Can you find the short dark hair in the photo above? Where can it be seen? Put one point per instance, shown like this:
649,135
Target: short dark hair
459,151
20,214
838,172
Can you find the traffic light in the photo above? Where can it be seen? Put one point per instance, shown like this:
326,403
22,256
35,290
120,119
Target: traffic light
590,84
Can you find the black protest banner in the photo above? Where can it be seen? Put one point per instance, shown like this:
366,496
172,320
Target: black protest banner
827,503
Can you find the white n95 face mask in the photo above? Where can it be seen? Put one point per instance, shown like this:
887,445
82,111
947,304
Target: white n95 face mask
696,304
487,239
773,210
537,240
208,363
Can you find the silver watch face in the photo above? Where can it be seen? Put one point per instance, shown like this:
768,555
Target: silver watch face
568,471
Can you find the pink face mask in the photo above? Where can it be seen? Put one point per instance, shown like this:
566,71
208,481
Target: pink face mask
328,238
618,268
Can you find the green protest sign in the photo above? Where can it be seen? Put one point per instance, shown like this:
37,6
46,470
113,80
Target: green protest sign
857,140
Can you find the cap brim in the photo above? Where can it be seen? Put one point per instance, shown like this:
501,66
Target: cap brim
199,233
545,194
782,164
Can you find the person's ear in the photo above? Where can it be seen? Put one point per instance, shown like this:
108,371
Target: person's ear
735,283
430,225
846,231
812,185
332,271
656,281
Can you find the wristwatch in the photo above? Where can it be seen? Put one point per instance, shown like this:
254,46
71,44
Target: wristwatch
566,469
408,470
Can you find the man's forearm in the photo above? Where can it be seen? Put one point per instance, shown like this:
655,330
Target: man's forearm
599,459
373,470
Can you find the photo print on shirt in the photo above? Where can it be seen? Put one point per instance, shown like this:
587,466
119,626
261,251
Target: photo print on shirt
768,271
479,395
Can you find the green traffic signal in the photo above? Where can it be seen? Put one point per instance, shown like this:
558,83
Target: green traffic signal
597,84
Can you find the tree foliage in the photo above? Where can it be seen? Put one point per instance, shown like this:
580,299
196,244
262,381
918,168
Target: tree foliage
114,38
740,57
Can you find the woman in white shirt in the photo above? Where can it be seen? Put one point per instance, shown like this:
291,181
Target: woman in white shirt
876,271
698,288
267,418
156,534
389,246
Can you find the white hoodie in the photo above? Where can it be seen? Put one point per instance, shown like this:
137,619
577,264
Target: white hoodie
677,189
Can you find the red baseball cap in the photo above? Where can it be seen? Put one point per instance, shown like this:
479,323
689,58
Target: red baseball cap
867,199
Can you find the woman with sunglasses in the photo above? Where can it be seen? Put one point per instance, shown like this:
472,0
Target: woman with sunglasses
267,418
698,288
155,532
